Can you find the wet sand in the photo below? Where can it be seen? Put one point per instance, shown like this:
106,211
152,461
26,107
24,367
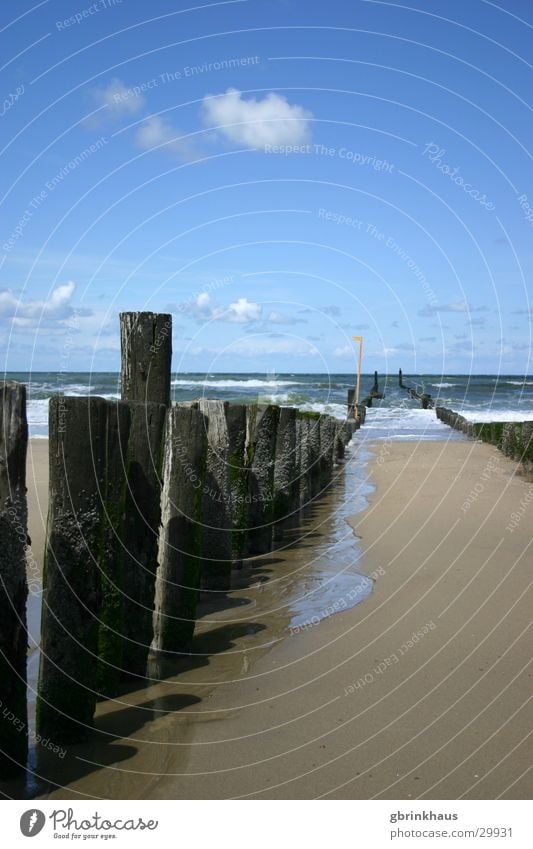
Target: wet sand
418,691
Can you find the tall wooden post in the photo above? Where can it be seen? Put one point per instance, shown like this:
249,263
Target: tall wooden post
141,532
180,542
262,426
72,581
13,585
286,482
146,347
217,529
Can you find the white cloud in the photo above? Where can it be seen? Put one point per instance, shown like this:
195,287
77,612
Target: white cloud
202,309
345,351
157,133
276,317
28,312
243,311
454,306
255,123
118,100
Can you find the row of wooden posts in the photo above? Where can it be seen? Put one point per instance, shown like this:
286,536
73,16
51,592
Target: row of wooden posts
149,503
513,439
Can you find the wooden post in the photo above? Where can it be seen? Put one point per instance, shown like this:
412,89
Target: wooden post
71,583
262,427
141,532
216,500
13,585
309,456
314,454
238,479
351,404
180,543
146,345
286,484
112,549
327,450
303,427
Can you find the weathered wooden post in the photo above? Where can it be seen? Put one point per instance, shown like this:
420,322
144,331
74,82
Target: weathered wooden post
112,549
71,582
526,448
238,479
309,456
13,585
327,450
351,404
343,435
146,344
141,532
286,484
302,437
216,500
510,439
314,454
180,543
262,425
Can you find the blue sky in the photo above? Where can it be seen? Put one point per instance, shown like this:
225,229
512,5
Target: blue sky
279,175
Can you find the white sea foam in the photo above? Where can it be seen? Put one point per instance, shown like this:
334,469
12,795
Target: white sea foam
397,423
497,415
338,411
250,383
443,385
519,382
37,412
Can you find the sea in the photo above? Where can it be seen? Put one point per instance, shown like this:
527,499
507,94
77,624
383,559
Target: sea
396,416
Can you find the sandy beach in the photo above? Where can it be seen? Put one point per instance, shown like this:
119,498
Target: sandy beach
419,691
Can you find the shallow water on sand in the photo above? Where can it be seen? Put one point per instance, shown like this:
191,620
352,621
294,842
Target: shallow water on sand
310,576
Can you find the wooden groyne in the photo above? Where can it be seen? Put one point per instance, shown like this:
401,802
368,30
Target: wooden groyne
152,504
373,393
513,439
426,401
13,583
